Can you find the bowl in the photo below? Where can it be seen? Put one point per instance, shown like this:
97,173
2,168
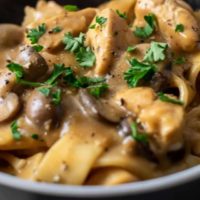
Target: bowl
183,185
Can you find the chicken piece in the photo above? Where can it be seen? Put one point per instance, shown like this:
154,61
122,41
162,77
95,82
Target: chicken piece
74,23
124,6
109,40
171,13
163,121
43,11
136,99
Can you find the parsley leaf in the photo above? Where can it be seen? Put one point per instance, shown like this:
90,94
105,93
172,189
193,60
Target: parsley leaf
180,60
156,52
58,71
35,136
57,29
56,97
98,90
93,26
180,28
35,33
147,31
137,136
166,98
15,132
38,48
71,8
122,15
84,55
101,20
45,91
138,71
131,49
17,69
73,43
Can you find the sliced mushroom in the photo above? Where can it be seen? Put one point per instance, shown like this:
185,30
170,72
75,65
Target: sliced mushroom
34,64
40,109
101,108
9,106
7,81
10,35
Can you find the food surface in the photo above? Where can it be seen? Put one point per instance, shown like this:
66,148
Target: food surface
100,96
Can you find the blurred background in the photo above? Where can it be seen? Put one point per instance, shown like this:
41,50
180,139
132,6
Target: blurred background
12,11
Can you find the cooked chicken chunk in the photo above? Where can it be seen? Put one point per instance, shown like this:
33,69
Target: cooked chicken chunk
109,39
171,13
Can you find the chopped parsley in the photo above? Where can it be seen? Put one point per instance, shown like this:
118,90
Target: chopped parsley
35,33
180,60
131,48
137,136
101,20
45,91
35,136
57,29
84,55
156,52
168,99
15,131
38,48
17,69
56,97
98,90
180,28
122,15
138,71
71,8
147,31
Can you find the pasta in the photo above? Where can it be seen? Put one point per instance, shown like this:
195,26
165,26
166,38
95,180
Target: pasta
100,96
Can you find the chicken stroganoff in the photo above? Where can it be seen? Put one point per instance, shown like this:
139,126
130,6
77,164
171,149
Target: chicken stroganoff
100,96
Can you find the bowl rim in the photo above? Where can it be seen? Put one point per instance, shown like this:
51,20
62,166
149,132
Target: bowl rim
136,188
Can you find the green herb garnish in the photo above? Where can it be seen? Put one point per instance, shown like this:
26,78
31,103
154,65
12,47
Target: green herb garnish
71,8
45,91
35,136
35,33
131,48
122,15
137,136
101,20
84,55
15,131
168,99
156,52
180,28
138,71
56,97
147,31
57,29
180,60
98,90
38,48
17,69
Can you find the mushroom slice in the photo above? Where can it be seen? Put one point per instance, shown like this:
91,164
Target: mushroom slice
34,64
40,109
10,35
9,106
102,109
